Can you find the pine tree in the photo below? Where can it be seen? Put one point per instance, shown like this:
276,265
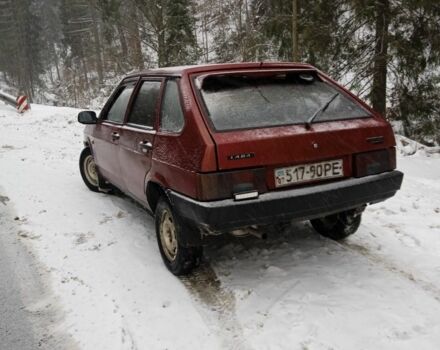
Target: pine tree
8,45
77,42
181,45
415,49
21,44
154,26
51,36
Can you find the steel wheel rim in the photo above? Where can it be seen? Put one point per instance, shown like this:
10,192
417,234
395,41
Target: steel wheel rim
168,236
90,171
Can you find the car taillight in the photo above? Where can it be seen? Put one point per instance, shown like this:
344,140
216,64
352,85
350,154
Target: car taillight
374,162
242,184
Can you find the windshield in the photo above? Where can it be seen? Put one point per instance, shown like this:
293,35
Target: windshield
246,101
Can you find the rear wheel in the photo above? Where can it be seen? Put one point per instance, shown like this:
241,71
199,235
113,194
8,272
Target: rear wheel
338,226
88,170
180,260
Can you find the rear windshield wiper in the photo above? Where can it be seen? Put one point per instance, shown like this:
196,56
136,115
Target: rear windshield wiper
320,110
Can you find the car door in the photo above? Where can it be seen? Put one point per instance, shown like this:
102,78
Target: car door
108,132
137,137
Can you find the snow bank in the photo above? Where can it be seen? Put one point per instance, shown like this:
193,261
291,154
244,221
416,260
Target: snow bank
408,147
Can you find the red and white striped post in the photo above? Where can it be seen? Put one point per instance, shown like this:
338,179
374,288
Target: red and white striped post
23,104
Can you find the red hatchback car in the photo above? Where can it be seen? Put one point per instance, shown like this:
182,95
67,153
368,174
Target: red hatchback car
213,149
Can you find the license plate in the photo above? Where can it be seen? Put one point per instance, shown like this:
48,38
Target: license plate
309,172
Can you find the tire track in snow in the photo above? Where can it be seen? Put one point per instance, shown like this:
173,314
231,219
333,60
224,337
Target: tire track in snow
127,340
216,305
428,287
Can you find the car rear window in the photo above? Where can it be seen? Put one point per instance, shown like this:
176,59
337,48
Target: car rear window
252,101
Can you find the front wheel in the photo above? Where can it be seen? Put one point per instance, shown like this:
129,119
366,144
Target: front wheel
179,259
88,170
338,226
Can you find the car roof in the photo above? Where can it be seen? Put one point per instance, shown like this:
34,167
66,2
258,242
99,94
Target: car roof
207,68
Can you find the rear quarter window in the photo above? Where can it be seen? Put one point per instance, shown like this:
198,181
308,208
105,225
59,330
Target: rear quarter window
172,119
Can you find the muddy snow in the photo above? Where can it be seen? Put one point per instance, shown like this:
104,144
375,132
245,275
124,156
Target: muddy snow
378,290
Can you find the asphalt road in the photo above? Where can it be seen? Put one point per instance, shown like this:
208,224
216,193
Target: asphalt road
28,312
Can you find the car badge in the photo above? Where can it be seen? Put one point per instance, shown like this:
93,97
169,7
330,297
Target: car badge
241,156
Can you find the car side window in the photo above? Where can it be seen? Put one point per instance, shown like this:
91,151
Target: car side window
117,111
145,105
172,119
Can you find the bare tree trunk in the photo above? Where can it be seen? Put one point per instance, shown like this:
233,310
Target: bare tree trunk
97,43
85,68
136,48
57,67
51,75
161,43
74,88
249,41
5,78
295,32
85,72
240,29
206,39
56,61
162,60
204,33
122,40
379,89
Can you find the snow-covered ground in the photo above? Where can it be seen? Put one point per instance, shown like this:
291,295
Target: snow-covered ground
378,290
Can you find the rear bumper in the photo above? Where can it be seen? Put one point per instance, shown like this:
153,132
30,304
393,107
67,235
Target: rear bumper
295,204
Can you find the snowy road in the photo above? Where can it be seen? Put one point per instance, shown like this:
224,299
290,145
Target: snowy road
27,308
98,254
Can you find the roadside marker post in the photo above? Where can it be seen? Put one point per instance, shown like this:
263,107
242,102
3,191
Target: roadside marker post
22,104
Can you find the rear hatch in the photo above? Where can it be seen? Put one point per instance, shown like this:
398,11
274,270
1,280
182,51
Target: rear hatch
288,123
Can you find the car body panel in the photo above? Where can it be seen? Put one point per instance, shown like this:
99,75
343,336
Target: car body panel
292,204
105,148
294,145
135,159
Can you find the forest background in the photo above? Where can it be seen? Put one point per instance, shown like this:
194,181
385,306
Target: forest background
73,52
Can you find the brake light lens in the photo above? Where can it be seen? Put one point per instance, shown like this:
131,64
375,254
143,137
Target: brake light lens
222,185
374,162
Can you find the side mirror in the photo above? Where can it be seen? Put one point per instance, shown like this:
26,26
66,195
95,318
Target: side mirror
87,117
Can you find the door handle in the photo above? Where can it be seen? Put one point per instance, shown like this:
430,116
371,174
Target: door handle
115,136
145,146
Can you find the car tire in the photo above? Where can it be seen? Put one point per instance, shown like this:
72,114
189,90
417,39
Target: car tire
179,259
88,170
338,226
